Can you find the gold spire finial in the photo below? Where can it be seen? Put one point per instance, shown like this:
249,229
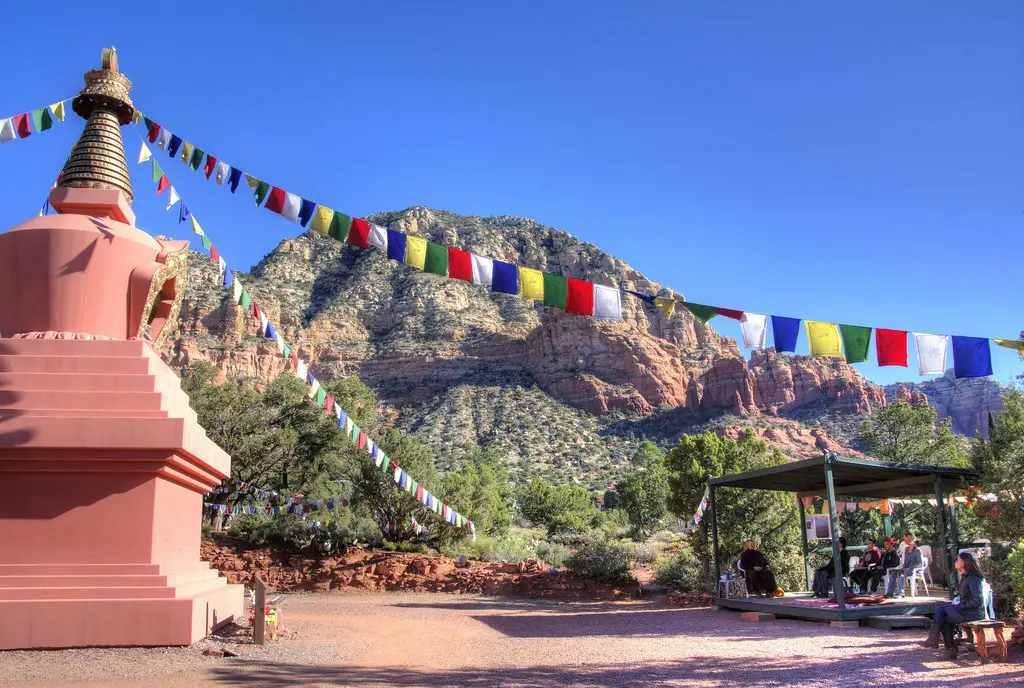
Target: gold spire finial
97,160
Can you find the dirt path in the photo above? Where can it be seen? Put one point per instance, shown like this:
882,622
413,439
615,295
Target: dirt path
371,640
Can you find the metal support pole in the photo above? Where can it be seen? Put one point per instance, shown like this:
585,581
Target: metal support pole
259,619
714,537
940,512
955,537
887,520
803,538
837,562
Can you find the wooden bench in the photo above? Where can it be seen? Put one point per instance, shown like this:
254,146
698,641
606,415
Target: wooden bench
971,628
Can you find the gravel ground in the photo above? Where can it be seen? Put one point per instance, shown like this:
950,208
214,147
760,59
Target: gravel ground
371,640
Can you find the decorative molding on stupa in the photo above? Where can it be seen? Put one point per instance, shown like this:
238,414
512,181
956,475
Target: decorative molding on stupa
98,161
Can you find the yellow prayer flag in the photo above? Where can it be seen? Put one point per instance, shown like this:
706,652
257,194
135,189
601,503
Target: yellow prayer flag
186,152
196,229
322,220
313,388
252,181
1016,344
667,306
531,284
136,116
58,110
825,339
415,251
144,154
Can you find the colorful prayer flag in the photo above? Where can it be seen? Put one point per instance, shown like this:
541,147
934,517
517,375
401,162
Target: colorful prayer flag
186,152
359,234
607,302
531,284
275,201
340,226
396,246
222,173
436,259
58,110
556,290
306,212
290,210
505,278
1015,344
891,347
322,220
262,189
235,178
378,237
931,353
172,198
785,332
460,265
701,312
196,161
580,297
144,154
856,342
754,328
163,184
174,146
971,357
483,270
666,305
41,119
7,130
824,339
211,163
154,131
415,251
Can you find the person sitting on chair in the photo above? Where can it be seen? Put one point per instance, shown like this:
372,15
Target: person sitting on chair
823,576
969,607
890,560
911,560
864,574
760,579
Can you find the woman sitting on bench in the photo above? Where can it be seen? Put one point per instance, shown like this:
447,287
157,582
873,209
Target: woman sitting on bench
969,607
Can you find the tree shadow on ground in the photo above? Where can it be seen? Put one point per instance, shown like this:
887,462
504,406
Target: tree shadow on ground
706,672
546,605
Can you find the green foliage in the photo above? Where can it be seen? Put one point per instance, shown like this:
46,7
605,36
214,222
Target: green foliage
509,548
554,553
682,572
643,493
1001,461
561,509
1015,573
904,433
480,490
643,554
768,516
611,500
601,560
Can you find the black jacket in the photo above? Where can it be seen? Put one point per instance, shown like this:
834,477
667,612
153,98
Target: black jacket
971,607
844,561
890,560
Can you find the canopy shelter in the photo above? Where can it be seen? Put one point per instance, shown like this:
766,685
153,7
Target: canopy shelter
830,475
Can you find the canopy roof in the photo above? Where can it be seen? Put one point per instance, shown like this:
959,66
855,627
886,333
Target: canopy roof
851,477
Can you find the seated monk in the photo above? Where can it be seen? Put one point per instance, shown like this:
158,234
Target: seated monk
760,579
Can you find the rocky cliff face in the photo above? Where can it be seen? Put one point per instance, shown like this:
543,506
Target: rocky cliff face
429,345
966,401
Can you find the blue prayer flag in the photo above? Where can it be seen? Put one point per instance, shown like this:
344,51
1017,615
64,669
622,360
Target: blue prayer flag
785,331
172,149
306,211
342,419
183,213
229,277
235,177
649,298
505,278
310,377
971,357
396,245
271,333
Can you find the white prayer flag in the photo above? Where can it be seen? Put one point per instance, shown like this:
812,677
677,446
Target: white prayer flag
348,425
263,323
163,139
144,154
483,270
379,237
292,203
300,370
7,130
607,303
398,475
223,171
222,265
337,410
931,353
754,328
172,198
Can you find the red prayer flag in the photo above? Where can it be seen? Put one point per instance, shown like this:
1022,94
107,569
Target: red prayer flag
359,235
329,403
460,265
891,346
256,312
154,132
580,299
730,313
419,493
362,439
163,184
275,202
211,162
295,361
214,255
22,123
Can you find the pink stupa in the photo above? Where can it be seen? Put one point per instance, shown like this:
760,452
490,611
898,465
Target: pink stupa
102,462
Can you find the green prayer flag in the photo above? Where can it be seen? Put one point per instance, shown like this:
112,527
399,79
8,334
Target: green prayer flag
197,160
287,353
157,170
245,301
340,224
855,342
148,121
701,312
321,396
556,288
436,261
355,432
385,464
42,119
206,242
262,189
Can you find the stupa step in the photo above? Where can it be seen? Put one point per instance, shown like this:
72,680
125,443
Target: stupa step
16,381
59,399
138,592
74,348
79,569
109,580
71,365
83,413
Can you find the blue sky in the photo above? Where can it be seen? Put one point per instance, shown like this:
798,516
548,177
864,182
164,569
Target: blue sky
860,164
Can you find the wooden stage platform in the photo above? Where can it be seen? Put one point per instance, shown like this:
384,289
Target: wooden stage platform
802,605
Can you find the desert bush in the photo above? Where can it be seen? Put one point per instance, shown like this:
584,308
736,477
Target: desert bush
509,548
681,572
601,560
554,553
643,554
666,537
290,530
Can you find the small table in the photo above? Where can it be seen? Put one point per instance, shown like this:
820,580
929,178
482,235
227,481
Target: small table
972,627
728,585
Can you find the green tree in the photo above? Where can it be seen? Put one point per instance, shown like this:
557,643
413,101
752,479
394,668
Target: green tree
562,509
905,433
643,493
769,517
611,500
1001,461
480,491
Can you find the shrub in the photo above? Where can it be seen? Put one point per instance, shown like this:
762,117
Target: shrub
509,548
666,537
601,560
291,531
643,554
681,572
554,553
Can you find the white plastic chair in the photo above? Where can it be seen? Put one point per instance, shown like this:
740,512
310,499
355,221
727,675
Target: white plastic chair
743,578
919,573
988,601
926,553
